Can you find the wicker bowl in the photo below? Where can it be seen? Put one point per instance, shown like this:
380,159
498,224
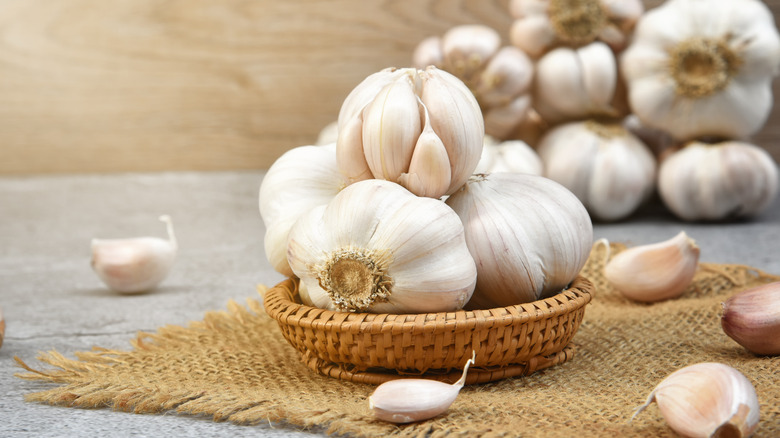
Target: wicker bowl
374,348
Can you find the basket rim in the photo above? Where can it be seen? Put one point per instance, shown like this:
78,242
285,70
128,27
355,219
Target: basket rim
279,303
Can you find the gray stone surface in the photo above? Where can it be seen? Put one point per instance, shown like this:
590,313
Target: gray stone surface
52,300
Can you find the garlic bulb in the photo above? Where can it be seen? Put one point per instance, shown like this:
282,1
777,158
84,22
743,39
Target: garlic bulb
420,128
577,83
508,156
541,25
707,400
752,319
610,170
500,77
718,181
409,400
529,236
376,247
659,142
135,264
701,68
655,272
301,179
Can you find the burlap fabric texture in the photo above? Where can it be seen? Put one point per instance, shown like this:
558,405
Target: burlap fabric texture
235,366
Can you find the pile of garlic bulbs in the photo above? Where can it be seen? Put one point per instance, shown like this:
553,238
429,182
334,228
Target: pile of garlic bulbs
391,218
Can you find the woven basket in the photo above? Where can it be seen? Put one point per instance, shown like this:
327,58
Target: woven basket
374,348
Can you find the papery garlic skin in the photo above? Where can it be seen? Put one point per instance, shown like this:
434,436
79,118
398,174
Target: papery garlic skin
541,25
718,181
573,84
656,271
509,156
609,169
752,319
529,235
701,68
706,400
420,128
376,247
499,77
136,264
301,179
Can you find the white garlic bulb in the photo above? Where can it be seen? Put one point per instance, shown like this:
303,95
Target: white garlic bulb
541,25
508,156
718,181
376,247
420,128
656,271
707,400
500,77
301,179
577,83
702,68
610,170
407,400
135,264
529,235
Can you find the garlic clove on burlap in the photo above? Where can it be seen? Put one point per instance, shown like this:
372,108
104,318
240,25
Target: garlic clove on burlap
408,400
376,247
610,170
541,25
301,179
701,68
386,117
707,400
752,319
576,83
529,236
509,156
135,264
655,272
718,181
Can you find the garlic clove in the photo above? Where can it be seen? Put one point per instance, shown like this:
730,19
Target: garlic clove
429,170
752,319
654,272
428,52
409,400
134,265
533,34
503,121
467,48
508,74
349,152
707,400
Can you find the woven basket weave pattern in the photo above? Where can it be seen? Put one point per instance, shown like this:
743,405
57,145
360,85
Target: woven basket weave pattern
418,343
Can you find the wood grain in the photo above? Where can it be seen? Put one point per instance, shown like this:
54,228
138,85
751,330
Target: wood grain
156,85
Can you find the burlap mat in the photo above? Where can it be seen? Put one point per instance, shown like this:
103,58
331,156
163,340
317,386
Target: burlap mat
235,366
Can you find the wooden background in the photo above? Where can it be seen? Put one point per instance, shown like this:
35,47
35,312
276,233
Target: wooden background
152,85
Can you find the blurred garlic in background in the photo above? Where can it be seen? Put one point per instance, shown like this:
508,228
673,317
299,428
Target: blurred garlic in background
701,68
659,142
422,129
301,179
610,170
541,25
135,264
718,181
500,77
508,156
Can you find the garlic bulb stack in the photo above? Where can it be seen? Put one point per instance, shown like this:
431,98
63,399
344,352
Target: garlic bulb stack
301,179
376,247
610,170
509,156
500,77
707,400
420,128
541,25
529,236
701,68
718,181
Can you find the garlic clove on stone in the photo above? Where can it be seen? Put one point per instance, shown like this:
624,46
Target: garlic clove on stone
707,400
409,400
752,319
654,272
136,264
